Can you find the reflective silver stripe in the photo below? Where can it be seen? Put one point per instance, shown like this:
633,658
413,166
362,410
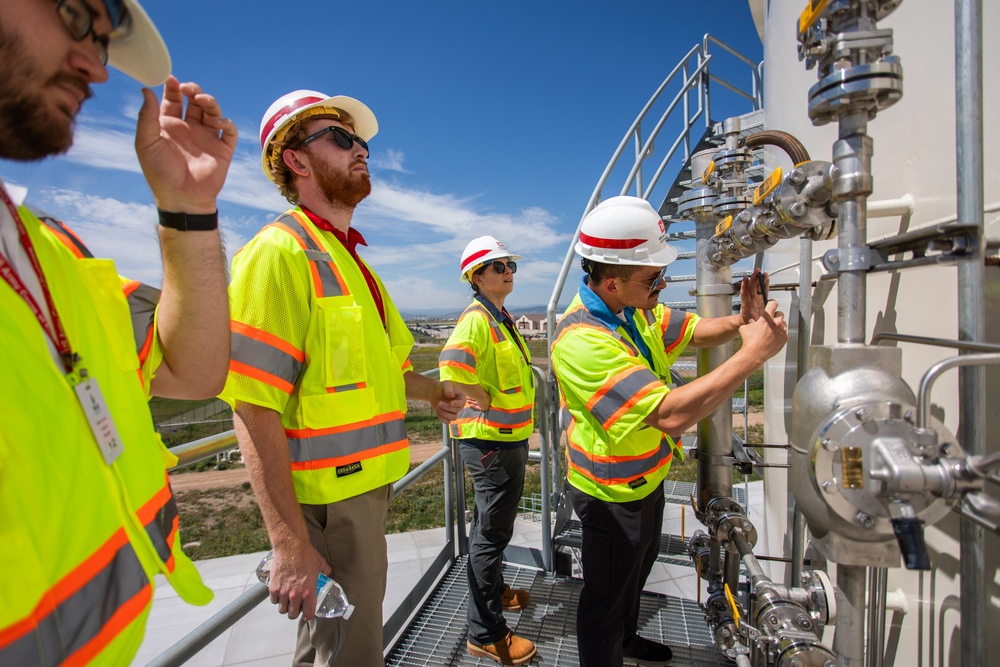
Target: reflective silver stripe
81,617
605,471
142,309
469,413
515,390
260,355
346,443
509,418
461,356
316,256
159,528
650,317
347,387
620,394
675,327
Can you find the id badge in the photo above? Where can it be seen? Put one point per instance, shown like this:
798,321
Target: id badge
101,423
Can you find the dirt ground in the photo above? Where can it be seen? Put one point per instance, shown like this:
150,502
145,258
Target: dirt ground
419,452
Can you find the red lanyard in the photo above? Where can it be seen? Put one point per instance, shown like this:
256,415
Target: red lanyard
55,331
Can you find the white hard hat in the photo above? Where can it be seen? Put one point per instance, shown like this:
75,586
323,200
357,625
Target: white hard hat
625,230
301,104
135,47
481,250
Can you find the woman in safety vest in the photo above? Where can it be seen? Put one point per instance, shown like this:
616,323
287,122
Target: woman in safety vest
489,359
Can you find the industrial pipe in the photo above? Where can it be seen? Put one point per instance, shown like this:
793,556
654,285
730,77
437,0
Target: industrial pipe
783,140
971,275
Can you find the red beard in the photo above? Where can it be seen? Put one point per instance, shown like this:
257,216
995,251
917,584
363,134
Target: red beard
343,187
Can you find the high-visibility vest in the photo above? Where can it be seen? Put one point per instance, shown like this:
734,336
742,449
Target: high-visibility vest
482,351
608,388
308,342
80,540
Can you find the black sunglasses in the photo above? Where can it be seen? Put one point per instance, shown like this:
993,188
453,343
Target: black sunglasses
501,268
650,286
79,21
343,138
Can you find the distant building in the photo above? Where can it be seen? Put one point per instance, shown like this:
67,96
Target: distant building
533,324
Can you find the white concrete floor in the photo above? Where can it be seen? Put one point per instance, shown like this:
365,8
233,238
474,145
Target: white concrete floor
263,638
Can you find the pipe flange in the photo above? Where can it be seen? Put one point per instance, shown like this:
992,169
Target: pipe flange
874,87
696,200
805,653
723,206
728,523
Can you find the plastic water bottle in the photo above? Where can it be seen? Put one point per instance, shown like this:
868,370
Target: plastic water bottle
331,602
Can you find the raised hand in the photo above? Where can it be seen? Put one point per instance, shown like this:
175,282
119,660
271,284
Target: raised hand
765,336
184,154
751,298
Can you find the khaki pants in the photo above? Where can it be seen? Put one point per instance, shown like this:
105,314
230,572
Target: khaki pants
350,534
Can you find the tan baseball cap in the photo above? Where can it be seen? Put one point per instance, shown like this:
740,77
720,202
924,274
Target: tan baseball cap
135,47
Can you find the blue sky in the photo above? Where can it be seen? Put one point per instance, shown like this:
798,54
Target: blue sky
494,118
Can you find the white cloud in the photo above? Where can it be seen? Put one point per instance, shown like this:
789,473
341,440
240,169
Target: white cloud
246,185
390,160
419,293
104,148
125,232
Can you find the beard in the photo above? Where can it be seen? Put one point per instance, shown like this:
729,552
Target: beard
346,188
29,128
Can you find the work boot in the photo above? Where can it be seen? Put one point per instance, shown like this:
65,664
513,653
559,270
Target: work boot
514,599
646,652
511,650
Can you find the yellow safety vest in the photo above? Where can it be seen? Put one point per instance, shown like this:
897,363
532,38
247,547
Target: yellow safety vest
308,342
80,540
480,351
608,389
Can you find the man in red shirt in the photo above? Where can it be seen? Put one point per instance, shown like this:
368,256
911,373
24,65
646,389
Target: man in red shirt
319,378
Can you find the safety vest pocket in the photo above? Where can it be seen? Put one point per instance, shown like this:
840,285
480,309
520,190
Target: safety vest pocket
101,279
338,408
343,335
508,372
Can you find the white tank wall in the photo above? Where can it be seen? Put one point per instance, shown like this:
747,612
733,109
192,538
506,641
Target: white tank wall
914,144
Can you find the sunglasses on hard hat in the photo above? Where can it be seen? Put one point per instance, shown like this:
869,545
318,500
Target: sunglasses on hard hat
78,18
501,267
343,138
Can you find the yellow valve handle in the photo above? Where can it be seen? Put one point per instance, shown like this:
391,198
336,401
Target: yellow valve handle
732,604
724,226
708,172
767,187
811,13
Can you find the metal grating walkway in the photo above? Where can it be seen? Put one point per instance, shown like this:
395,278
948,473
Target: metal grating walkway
673,549
437,636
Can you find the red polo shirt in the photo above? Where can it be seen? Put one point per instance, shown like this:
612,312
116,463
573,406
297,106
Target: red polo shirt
351,240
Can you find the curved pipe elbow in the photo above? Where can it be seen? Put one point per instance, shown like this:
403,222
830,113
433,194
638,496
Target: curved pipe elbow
794,148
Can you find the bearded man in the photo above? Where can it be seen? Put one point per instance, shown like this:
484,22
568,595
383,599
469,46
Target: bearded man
319,378
87,517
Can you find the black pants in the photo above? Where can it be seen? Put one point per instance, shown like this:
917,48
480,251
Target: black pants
620,544
498,492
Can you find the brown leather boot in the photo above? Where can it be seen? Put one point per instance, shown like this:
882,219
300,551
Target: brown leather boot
511,650
514,599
